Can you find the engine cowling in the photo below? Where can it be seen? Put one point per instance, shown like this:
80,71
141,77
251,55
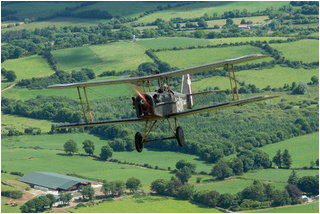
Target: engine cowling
144,105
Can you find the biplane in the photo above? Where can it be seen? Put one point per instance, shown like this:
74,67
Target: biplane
164,103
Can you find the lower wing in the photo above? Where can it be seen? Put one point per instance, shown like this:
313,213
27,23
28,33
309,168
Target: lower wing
99,123
222,105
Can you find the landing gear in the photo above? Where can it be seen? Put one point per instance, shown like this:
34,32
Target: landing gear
138,142
180,136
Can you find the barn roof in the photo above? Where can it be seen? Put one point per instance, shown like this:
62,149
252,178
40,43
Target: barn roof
52,180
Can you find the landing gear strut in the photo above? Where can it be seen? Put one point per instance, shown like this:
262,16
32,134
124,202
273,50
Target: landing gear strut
140,140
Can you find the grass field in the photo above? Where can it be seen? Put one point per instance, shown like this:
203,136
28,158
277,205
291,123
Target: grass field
237,21
301,208
149,204
278,174
7,208
303,149
20,123
231,186
28,67
201,8
117,56
194,57
171,42
244,39
306,50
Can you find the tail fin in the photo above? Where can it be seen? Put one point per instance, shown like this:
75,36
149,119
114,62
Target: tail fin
186,88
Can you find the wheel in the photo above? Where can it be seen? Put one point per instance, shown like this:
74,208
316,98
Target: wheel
180,136
138,142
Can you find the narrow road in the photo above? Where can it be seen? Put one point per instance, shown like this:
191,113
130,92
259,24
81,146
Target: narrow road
8,87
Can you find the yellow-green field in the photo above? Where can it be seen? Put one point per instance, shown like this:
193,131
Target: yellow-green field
300,208
244,39
150,204
8,208
171,42
194,57
237,21
306,50
28,67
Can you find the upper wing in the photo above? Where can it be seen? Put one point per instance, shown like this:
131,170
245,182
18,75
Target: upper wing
176,73
99,123
222,105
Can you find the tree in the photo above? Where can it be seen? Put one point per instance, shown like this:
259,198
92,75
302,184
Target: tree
133,184
186,192
286,159
148,67
88,147
294,192
221,170
65,197
159,186
229,21
52,199
280,198
164,66
106,152
300,89
105,188
293,178
237,166
254,192
46,201
277,159
182,163
202,23
226,200
199,34
309,185
119,187
184,174
315,80
70,147
11,76
87,192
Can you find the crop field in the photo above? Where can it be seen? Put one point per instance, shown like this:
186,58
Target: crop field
216,81
306,50
231,185
195,57
117,56
93,93
171,42
303,149
20,123
39,9
278,174
149,204
28,67
300,208
244,39
201,8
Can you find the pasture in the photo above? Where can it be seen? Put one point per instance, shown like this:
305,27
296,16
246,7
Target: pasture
8,208
303,149
200,8
280,175
195,57
237,21
20,123
306,50
149,204
117,56
300,208
171,42
28,67
244,39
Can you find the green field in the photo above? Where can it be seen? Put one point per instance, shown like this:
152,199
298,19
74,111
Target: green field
306,50
150,204
244,39
20,123
171,42
303,149
301,208
237,21
8,208
281,175
231,185
28,67
200,8
195,57
117,56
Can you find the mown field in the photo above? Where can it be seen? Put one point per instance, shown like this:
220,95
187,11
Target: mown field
237,21
244,39
8,208
201,8
117,56
301,208
303,149
28,67
150,204
194,57
171,42
306,50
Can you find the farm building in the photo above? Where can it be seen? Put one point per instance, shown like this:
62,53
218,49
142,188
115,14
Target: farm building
243,26
50,181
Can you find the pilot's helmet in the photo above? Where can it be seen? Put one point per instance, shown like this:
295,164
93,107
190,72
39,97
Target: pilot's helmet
165,86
